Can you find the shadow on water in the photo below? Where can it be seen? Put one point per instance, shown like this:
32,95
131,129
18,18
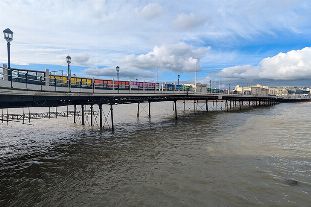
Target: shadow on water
194,161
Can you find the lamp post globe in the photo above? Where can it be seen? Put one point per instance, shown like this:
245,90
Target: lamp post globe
118,71
8,36
68,60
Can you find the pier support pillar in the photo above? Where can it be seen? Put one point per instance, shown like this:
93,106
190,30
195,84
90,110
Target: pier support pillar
74,113
184,105
149,114
138,109
175,104
111,116
7,116
29,116
92,115
206,104
49,112
67,111
82,115
100,115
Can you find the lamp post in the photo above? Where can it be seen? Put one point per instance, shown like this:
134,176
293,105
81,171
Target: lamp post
62,72
8,36
195,75
118,71
68,59
178,77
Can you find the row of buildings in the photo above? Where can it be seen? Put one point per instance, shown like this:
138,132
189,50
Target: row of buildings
255,90
260,90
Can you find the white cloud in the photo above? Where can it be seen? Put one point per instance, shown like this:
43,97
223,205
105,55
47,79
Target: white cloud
151,11
188,21
293,65
82,59
177,57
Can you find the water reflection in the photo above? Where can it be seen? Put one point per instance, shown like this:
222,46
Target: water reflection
203,159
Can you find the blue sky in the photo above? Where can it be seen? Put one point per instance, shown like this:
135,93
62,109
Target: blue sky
237,40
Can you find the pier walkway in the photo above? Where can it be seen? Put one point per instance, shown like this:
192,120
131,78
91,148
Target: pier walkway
25,97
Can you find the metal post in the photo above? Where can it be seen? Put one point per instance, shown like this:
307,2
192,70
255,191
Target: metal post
56,113
184,105
55,82
67,111
23,117
111,114
29,116
82,114
226,105
149,109
7,115
26,77
206,104
9,64
194,105
91,115
74,113
118,82
2,116
49,112
175,109
100,116
40,83
69,78
93,85
138,109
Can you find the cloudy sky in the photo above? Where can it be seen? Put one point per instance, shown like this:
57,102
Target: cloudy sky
222,40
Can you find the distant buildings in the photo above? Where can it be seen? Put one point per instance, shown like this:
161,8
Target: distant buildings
260,90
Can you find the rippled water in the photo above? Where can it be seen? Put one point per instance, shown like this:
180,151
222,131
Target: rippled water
249,158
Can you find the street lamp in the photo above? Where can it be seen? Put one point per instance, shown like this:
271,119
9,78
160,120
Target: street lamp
8,36
178,76
118,71
195,75
68,59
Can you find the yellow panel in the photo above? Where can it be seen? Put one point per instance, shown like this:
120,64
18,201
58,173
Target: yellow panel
89,81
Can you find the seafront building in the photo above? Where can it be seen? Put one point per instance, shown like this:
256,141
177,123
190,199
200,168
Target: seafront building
282,91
